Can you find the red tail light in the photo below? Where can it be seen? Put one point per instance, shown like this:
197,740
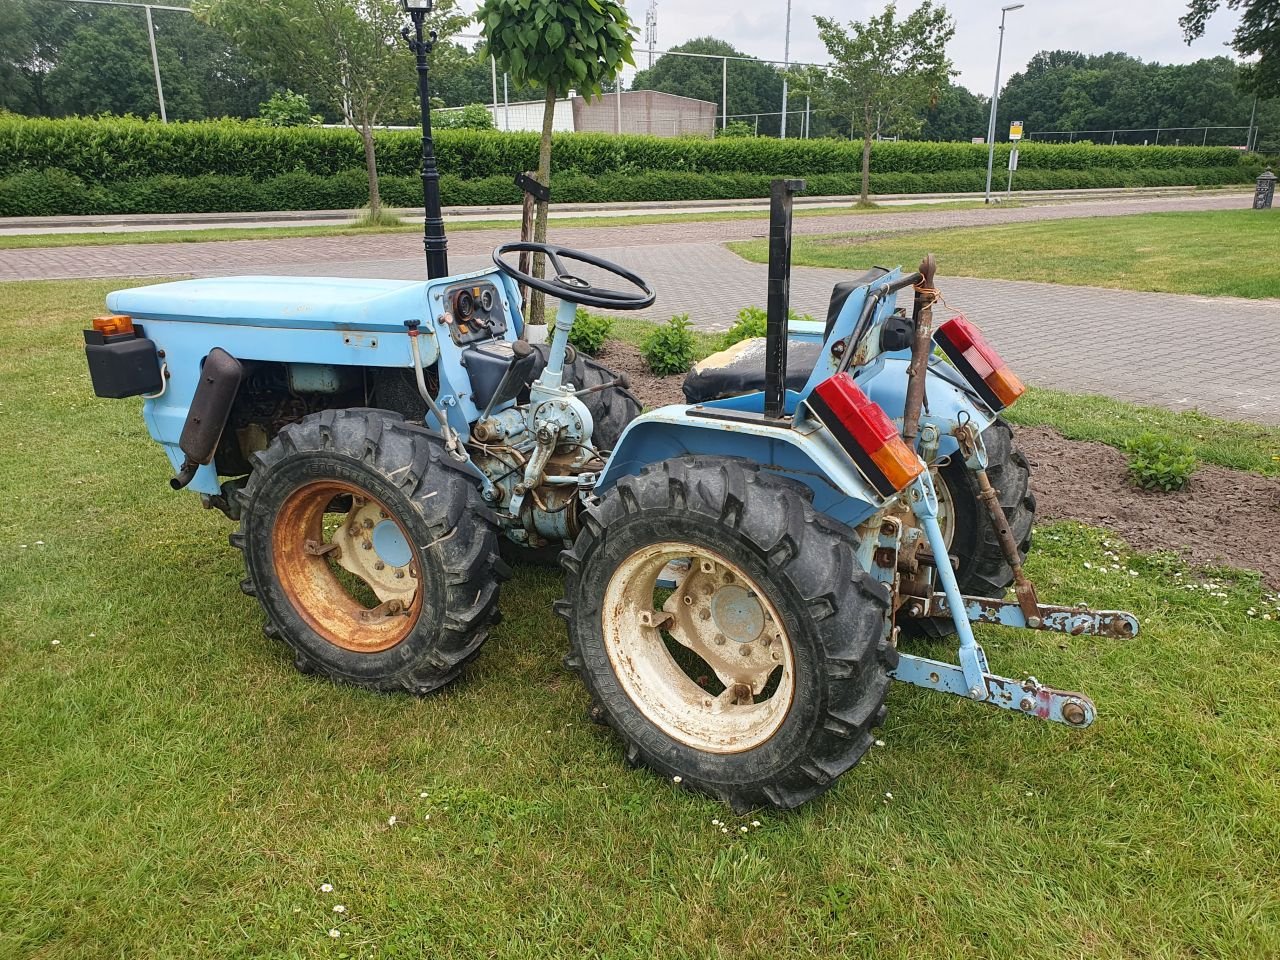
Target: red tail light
979,362
866,434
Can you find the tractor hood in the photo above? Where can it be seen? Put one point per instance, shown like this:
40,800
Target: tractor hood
312,303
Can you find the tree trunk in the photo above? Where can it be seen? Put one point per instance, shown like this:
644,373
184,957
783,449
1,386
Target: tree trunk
371,167
866,168
537,308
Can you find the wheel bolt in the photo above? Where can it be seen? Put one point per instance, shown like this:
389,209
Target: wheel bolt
399,574
688,600
379,565
368,524
746,650
368,545
719,641
704,614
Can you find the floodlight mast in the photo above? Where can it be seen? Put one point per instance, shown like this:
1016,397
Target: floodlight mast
434,241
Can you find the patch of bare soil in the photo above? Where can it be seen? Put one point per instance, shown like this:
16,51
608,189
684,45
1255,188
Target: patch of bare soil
650,390
1224,516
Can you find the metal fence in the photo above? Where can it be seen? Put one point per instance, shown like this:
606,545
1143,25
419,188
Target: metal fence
1245,137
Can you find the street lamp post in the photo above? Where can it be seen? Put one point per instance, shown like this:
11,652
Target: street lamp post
437,247
995,98
786,64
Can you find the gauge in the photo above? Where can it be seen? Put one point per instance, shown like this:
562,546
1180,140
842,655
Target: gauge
486,301
464,304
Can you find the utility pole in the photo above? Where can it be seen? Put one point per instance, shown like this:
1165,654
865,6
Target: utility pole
995,99
786,63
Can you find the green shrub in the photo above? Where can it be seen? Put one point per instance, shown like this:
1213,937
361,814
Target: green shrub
1160,463
670,348
287,109
590,331
753,322
474,116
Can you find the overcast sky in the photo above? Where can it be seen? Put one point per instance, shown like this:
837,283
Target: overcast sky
1144,28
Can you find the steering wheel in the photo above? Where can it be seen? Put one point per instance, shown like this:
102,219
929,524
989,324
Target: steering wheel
565,286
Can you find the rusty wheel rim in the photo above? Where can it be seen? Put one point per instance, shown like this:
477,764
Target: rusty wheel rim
717,613
354,578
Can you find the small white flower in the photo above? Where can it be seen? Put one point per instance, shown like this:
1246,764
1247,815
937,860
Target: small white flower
879,743
326,888
1030,793
743,829
22,546
339,908
1088,565
422,795
427,817
335,933
724,829
1133,573
715,823
677,779
755,823
39,543
54,643
888,795
392,821
1252,612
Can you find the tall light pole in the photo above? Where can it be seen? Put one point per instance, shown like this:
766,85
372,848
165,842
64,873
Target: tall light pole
995,98
433,238
786,63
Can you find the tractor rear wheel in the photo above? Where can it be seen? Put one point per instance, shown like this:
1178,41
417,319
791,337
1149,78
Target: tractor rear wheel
370,550
981,568
725,631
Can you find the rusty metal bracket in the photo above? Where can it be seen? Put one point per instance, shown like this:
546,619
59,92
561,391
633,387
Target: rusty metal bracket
1077,621
314,548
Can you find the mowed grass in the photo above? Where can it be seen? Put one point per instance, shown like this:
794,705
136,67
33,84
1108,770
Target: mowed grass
178,235
171,787
1213,253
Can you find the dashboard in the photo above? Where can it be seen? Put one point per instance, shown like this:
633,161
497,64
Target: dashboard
473,312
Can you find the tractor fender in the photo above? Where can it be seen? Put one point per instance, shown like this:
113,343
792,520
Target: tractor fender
808,455
948,399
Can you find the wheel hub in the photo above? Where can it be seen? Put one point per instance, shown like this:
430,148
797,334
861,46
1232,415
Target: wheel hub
373,547
718,614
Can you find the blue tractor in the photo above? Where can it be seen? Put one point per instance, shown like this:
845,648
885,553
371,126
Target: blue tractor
744,574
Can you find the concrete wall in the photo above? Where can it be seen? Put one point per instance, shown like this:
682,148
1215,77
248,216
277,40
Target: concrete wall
527,115
645,111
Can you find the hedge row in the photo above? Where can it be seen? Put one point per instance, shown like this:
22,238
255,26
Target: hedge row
53,192
108,150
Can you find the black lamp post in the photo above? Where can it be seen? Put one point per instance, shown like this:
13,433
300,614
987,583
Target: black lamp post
434,241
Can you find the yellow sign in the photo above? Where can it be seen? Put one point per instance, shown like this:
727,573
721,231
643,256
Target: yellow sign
1015,130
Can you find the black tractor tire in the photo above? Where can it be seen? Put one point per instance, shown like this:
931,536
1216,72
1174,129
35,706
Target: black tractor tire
448,533
611,408
982,570
803,562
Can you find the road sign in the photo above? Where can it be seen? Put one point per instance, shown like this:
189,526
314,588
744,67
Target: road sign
1013,159
1015,130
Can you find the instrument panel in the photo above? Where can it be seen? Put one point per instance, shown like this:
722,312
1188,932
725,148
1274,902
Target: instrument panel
473,312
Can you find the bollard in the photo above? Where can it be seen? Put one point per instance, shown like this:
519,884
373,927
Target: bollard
1265,190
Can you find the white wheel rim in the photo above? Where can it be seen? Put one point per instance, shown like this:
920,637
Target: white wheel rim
718,613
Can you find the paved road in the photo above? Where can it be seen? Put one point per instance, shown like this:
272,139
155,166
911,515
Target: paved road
1219,355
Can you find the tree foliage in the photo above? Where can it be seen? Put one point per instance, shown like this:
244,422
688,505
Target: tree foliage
1257,35
1066,90
347,54
884,71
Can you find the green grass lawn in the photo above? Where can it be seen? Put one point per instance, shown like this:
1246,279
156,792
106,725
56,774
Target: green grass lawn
1213,253
16,241
171,787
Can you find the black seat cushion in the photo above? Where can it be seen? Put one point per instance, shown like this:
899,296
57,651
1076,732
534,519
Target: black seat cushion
740,369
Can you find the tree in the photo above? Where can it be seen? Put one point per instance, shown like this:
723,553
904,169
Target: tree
885,72
572,44
1257,35
956,114
755,87
286,109
347,54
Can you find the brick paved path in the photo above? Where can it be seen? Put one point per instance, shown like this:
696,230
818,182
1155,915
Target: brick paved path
325,254
1219,355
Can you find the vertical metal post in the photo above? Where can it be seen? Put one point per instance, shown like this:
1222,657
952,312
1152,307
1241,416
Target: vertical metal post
995,100
775,349
506,104
618,101
1156,143
786,63
1251,138
155,65
806,118
433,238
493,77
724,92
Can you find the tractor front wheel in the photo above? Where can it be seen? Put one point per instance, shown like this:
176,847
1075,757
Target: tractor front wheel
370,550
725,631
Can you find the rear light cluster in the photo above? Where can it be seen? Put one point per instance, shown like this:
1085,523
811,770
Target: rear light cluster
979,363
865,433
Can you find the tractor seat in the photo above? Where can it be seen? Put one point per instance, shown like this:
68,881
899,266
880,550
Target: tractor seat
740,368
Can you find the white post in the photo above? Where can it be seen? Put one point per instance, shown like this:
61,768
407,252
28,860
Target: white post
786,62
493,77
618,101
155,65
725,92
995,99
806,118
506,104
